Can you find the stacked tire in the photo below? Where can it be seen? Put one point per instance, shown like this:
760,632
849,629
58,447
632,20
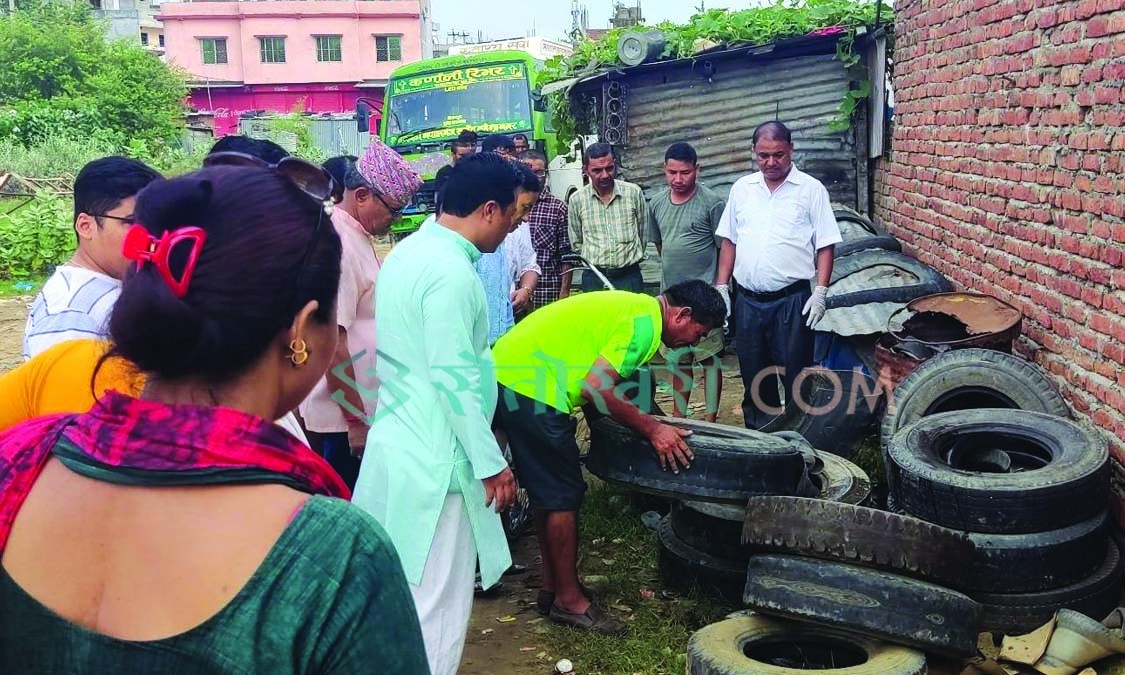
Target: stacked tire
1030,491
841,587
699,541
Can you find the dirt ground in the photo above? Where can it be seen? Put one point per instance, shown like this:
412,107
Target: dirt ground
13,316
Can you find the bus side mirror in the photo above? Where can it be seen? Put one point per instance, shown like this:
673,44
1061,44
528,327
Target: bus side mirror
538,101
362,117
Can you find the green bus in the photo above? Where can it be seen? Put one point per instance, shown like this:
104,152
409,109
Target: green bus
428,103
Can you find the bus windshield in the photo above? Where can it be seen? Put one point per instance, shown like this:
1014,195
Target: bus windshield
489,99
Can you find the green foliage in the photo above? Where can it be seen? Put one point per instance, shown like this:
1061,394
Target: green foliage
49,48
54,157
61,77
758,25
35,237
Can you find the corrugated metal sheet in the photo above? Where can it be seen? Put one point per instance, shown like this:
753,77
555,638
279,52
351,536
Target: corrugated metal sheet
332,135
678,103
338,136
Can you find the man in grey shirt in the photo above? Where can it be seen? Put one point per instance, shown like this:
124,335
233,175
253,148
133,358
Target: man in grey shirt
682,221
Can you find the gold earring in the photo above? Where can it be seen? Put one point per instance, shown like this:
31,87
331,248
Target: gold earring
299,352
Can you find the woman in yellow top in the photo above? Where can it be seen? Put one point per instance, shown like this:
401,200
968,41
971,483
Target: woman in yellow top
61,380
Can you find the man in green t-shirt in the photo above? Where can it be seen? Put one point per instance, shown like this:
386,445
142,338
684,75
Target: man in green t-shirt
682,221
575,352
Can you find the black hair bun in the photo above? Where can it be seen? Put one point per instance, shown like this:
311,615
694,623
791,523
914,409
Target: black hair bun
168,205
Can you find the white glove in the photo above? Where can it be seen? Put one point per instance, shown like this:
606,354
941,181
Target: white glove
816,306
724,290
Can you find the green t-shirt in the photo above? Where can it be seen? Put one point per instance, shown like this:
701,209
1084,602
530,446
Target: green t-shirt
686,234
548,355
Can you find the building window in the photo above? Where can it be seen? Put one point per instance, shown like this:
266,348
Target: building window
272,49
328,48
144,38
160,40
388,47
214,50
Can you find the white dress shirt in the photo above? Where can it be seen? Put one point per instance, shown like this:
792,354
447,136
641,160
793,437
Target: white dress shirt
776,235
520,253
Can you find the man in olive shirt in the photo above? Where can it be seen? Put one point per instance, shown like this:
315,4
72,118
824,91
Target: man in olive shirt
607,223
682,221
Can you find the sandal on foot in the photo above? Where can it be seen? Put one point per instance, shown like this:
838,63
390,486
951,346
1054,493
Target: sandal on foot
593,619
545,599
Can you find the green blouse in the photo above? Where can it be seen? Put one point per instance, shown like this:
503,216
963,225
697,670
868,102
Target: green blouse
330,597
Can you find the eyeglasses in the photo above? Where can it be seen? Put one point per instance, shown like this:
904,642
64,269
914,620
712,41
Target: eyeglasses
395,213
308,177
128,220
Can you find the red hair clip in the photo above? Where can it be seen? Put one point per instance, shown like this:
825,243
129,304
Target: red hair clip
142,246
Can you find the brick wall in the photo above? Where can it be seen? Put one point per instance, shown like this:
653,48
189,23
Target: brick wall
1006,171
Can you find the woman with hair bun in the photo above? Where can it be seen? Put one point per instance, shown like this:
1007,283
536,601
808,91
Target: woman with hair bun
181,531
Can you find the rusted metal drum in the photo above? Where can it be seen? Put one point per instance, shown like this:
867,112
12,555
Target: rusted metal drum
945,321
940,322
892,366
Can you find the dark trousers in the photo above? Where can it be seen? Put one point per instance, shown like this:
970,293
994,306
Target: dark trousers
626,278
334,447
771,333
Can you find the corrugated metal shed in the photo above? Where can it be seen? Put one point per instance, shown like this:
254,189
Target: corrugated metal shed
714,101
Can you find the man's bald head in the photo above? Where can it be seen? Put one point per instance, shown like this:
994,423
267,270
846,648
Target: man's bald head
773,131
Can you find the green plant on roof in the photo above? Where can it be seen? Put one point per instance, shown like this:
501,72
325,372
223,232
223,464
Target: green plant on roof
721,27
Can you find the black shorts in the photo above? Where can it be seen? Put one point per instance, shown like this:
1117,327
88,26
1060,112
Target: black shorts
544,450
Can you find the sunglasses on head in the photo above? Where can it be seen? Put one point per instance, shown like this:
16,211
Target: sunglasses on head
308,177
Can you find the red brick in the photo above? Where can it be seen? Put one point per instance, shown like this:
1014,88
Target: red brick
1114,351
1084,9
1107,325
1091,296
1107,95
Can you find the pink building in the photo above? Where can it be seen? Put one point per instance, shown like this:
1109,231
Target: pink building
277,54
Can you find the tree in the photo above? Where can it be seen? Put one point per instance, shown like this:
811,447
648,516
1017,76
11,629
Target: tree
61,77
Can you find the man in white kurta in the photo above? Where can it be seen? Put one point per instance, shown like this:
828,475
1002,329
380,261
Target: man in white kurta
432,473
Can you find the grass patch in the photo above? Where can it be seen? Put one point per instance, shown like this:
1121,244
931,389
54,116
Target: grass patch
614,543
869,457
10,288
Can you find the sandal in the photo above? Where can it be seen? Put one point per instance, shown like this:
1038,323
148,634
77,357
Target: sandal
545,599
593,619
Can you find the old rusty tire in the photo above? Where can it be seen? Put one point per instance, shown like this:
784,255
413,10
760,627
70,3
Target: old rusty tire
905,611
925,279
685,568
1015,563
849,246
942,469
760,645
717,528
858,535
838,410
731,464
1019,613
964,379
846,214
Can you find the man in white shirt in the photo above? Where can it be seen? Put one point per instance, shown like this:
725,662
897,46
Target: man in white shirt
778,232
77,299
